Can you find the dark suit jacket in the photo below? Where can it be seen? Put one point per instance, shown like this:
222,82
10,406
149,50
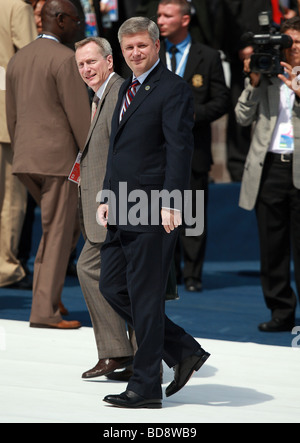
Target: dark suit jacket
151,148
205,76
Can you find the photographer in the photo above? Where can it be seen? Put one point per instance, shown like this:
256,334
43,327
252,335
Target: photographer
271,179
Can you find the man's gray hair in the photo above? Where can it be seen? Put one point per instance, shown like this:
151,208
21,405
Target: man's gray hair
103,44
139,24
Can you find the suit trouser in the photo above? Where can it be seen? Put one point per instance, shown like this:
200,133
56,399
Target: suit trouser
194,247
13,200
134,273
57,198
109,328
278,216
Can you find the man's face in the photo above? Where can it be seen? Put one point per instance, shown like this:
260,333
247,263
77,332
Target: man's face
292,54
140,52
93,67
170,20
71,23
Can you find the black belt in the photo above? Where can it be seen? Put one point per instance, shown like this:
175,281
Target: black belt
283,158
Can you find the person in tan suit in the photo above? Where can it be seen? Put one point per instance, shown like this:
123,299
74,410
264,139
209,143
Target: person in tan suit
95,64
48,121
17,29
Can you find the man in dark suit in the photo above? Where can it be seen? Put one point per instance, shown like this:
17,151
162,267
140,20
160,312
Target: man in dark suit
200,66
150,150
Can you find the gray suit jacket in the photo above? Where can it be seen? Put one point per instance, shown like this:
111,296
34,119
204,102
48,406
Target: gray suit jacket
261,105
93,161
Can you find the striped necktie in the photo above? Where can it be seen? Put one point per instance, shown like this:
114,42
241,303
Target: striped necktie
95,103
131,91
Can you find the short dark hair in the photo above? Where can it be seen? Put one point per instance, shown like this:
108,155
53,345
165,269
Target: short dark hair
184,5
291,23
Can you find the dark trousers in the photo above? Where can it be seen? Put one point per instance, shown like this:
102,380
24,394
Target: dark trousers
134,273
278,216
193,248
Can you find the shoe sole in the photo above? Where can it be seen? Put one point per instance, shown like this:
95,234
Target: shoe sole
43,326
280,329
142,406
196,367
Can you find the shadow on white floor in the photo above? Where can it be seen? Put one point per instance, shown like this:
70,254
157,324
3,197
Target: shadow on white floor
40,381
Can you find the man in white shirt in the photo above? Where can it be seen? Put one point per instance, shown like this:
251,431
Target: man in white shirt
271,179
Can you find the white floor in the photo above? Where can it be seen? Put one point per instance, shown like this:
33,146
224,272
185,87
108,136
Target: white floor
40,381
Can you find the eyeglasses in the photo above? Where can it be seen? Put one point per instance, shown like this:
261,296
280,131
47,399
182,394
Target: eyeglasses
75,19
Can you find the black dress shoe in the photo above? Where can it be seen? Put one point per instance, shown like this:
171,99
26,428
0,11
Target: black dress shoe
130,399
193,284
126,374
277,325
184,370
107,365
120,375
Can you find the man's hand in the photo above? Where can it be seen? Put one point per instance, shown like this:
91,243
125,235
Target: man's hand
254,76
291,80
245,53
102,215
171,219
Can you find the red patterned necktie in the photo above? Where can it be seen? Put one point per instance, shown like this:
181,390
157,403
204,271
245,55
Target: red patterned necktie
131,91
95,103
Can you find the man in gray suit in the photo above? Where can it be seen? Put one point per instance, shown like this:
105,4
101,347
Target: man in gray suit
95,64
271,179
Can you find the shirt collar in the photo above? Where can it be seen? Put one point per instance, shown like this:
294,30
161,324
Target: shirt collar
143,77
180,46
101,90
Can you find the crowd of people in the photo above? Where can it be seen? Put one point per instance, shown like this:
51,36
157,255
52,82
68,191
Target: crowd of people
96,93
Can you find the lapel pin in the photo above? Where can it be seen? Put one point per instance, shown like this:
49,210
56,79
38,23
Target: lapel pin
147,88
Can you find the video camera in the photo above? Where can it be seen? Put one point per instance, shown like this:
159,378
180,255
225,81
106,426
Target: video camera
267,47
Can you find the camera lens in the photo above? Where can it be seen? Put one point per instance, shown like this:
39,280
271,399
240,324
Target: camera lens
264,63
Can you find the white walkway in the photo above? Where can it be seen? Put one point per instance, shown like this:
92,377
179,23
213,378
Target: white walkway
40,381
